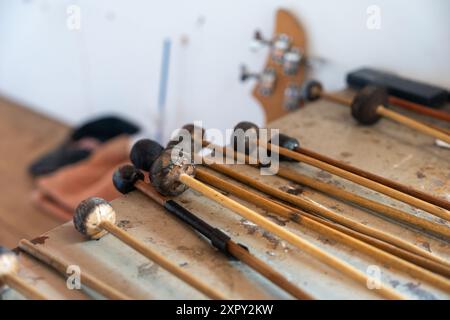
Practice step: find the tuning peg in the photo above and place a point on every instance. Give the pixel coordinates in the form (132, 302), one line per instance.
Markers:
(280, 46)
(245, 74)
(293, 97)
(292, 60)
(259, 37)
(267, 81)
(259, 41)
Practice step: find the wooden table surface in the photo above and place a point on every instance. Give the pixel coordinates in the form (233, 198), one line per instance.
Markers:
(387, 149)
(25, 135)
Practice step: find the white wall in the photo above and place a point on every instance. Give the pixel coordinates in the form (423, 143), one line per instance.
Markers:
(113, 62)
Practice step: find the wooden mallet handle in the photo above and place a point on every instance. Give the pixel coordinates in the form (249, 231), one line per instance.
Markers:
(308, 205)
(395, 116)
(16, 283)
(286, 235)
(387, 182)
(308, 221)
(231, 247)
(441, 115)
(388, 211)
(162, 261)
(437, 211)
(61, 266)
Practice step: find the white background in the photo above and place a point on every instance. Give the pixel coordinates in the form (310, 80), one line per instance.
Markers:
(113, 62)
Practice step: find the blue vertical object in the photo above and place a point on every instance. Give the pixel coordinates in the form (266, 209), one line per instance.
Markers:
(163, 88)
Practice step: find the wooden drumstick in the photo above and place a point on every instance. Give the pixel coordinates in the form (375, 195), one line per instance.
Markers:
(95, 217)
(60, 265)
(128, 178)
(9, 267)
(171, 174)
(305, 219)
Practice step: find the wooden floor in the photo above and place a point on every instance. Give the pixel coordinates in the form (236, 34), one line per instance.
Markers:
(24, 136)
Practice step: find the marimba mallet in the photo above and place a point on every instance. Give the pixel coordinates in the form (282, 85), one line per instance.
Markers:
(413, 255)
(322, 211)
(305, 219)
(408, 105)
(312, 223)
(393, 213)
(396, 214)
(311, 206)
(144, 152)
(313, 90)
(95, 217)
(172, 174)
(61, 266)
(294, 145)
(9, 267)
(393, 193)
(369, 105)
(305, 203)
(128, 178)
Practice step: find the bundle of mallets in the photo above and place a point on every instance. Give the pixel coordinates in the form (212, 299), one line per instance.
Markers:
(9, 273)
(171, 172)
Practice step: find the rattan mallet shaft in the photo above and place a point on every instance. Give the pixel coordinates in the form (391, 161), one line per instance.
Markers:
(9, 267)
(369, 97)
(393, 213)
(387, 182)
(411, 123)
(303, 218)
(385, 210)
(428, 207)
(311, 206)
(286, 235)
(294, 144)
(94, 217)
(60, 265)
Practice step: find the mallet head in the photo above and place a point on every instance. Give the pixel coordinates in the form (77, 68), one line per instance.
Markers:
(144, 152)
(125, 177)
(311, 90)
(365, 104)
(195, 138)
(8, 262)
(89, 215)
(286, 142)
(251, 136)
(166, 170)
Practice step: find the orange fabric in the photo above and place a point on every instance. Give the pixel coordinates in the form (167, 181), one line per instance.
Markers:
(61, 192)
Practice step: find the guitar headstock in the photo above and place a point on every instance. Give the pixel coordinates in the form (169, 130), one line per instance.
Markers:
(278, 85)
